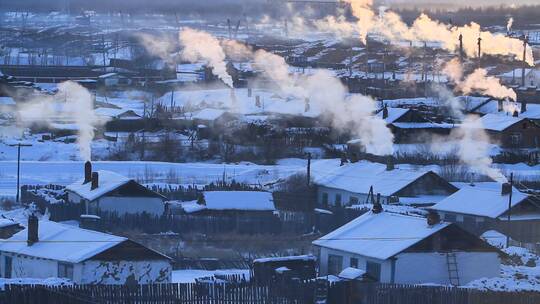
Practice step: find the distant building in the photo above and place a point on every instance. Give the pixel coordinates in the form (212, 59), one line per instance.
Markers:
(481, 208)
(397, 248)
(350, 184)
(532, 77)
(48, 249)
(510, 131)
(110, 192)
(243, 203)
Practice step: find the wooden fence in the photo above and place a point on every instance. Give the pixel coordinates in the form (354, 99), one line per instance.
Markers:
(293, 292)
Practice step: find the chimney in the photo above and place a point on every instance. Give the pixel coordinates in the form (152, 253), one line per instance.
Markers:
(500, 105)
(389, 163)
(258, 101)
(385, 112)
(433, 218)
(506, 189)
(461, 47)
(343, 160)
(306, 107)
(87, 172)
(249, 92)
(523, 106)
(95, 180)
(377, 207)
(33, 229)
(516, 113)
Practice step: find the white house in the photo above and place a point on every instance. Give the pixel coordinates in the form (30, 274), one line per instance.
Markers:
(111, 192)
(350, 184)
(398, 248)
(48, 249)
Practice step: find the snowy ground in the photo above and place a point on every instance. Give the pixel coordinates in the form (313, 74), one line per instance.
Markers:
(189, 275)
(30, 281)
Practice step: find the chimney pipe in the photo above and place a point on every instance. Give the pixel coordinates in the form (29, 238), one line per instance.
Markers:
(433, 218)
(377, 207)
(523, 106)
(95, 180)
(499, 105)
(506, 189)
(385, 112)
(389, 163)
(87, 172)
(33, 229)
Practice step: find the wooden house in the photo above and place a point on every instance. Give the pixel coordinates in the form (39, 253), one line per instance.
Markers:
(48, 249)
(511, 131)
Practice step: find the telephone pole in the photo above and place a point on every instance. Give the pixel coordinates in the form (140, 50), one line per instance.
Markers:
(509, 208)
(19, 145)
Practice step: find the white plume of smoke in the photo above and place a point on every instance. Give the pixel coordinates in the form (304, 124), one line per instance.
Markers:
(391, 26)
(509, 24)
(160, 46)
(72, 102)
(199, 45)
(478, 81)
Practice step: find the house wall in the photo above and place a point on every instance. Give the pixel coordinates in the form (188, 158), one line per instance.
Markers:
(122, 272)
(524, 134)
(386, 265)
(28, 267)
(345, 196)
(431, 267)
(123, 205)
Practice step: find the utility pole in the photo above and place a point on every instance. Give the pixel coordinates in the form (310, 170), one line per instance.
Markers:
(19, 145)
(308, 168)
(509, 208)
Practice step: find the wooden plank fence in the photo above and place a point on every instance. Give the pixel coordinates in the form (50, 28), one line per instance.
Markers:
(291, 292)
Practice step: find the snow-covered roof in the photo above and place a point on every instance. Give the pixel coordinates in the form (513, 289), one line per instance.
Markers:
(4, 222)
(393, 114)
(422, 125)
(379, 236)
(285, 258)
(499, 122)
(239, 200)
(209, 114)
(351, 273)
(514, 73)
(61, 242)
(479, 201)
(115, 113)
(107, 181)
(7, 101)
(359, 177)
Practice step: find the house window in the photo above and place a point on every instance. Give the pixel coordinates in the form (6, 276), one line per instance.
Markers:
(354, 262)
(353, 200)
(515, 139)
(373, 269)
(335, 263)
(65, 270)
(338, 199)
(8, 262)
(450, 217)
(325, 199)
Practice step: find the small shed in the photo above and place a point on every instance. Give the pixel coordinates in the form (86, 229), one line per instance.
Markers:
(269, 269)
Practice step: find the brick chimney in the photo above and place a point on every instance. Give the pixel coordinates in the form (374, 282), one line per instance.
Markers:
(377, 206)
(33, 229)
(95, 180)
(433, 218)
(87, 172)
(523, 106)
(516, 113)
(506, 188)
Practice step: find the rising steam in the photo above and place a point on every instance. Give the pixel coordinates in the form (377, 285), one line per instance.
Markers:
(72, 103)
(200, 45)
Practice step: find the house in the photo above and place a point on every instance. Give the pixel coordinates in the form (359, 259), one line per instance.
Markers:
(406, 249)
(267, 269)
(110, 192)
(485, 206)
(511, 131)
(514, 77)
(212, 117)
(350, 184)
(245, 203)
(114, 79)
(48, 249)
(8, 228)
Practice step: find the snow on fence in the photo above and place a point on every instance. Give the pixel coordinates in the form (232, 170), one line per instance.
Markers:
(297, 292)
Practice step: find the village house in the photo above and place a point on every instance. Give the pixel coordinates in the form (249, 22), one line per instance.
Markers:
(8, 228)
(110, 192)
(406, 249)
(352, 183)
(482, 207)
(511, 131)
(514, 77)
(48, 249)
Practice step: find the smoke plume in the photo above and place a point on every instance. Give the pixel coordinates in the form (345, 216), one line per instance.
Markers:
(509, 24)
(200, 45)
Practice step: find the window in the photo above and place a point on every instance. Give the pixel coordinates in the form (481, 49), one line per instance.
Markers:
(373, 270)
(450, 217)
(353, 200)
(515, 139)
(338, 199)
(325, 199)
(335, 263)
(65, 270)
(354, 262)
(8, 262)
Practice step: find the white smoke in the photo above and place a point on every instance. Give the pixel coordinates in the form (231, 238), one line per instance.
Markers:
(72, 103)
(199, 45)
(160, 46)
(509, 24)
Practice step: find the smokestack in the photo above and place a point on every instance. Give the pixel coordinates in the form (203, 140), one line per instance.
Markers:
(433, 218)
(525, 41)
(499, 105)
(523, 106)
(249, 92)
(506, 189)
(87, 172)
(377, 207)
(95, 180)
(389, 163)
(33, 229)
